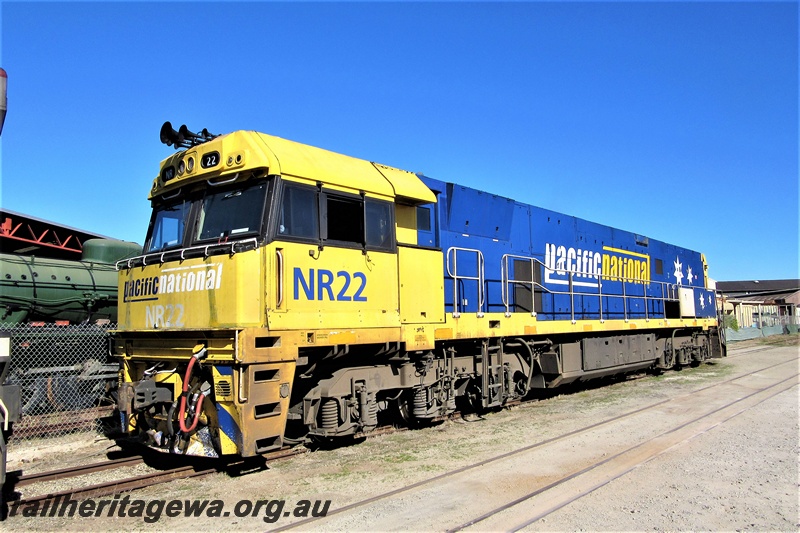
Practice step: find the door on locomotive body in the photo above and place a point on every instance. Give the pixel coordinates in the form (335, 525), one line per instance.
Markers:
(427, 235)
(336, 260)
(420, 265)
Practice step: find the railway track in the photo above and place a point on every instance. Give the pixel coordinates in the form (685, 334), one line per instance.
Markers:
(618, 464)
(75, 471)
(116, 486)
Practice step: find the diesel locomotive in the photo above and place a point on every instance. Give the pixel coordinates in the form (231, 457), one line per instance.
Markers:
(288, 293)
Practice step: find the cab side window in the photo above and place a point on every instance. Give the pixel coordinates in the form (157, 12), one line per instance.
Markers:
(343, 219)
(380, 224)
(298, 216)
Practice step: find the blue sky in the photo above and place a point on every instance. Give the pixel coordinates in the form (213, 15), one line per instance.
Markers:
(674, 120)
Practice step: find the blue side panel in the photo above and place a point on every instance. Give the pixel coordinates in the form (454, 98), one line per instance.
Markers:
(580, 269)
(705, 303)
(521, 236)
(478, 213)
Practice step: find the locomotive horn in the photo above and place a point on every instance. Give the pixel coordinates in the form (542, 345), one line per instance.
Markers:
(169, 136)
(183, 138)
(186, 134)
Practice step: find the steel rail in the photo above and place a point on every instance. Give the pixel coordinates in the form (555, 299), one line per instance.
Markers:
(114, 487)
(111, 488)
(74, 471)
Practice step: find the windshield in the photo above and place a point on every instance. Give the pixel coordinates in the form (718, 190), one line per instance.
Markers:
(167, 227)
(232, 213)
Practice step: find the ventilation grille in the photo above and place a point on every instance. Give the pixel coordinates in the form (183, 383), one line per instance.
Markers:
(223, 387)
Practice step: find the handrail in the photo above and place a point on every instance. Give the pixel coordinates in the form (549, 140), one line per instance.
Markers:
(223, 182)
(279, 300)
(668, 290)
(506, 281)
(456, 277)
(180, 252)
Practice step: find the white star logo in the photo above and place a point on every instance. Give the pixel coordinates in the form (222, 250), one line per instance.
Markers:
(703, 302)
(689, 275)
(678, 272)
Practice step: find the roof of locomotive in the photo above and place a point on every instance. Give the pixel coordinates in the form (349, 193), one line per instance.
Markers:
(240, 152)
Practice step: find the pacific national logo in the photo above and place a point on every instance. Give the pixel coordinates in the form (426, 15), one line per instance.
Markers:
(173, 280)
(586, 266)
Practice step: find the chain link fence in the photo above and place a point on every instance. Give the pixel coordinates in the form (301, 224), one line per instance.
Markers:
(66, 377)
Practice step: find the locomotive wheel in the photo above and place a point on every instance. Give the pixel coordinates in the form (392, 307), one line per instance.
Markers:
(472, 399)
(405, 407)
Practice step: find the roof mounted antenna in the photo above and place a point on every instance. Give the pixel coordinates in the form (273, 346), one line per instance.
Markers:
(183, 138)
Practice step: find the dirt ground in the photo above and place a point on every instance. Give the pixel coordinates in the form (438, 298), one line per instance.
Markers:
(740, 473)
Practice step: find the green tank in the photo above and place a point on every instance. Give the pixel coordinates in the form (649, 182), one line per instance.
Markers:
(50, 290)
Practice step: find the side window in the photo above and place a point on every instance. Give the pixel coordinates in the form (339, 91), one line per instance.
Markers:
(298, 217)
(380, 224)
(426, 226)
(168, 226)
(423, 218)
(343, 219)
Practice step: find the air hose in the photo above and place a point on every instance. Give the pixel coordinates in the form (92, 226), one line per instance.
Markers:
(199, 352)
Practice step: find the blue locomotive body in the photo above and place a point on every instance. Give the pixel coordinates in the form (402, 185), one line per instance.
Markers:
(513, 257)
